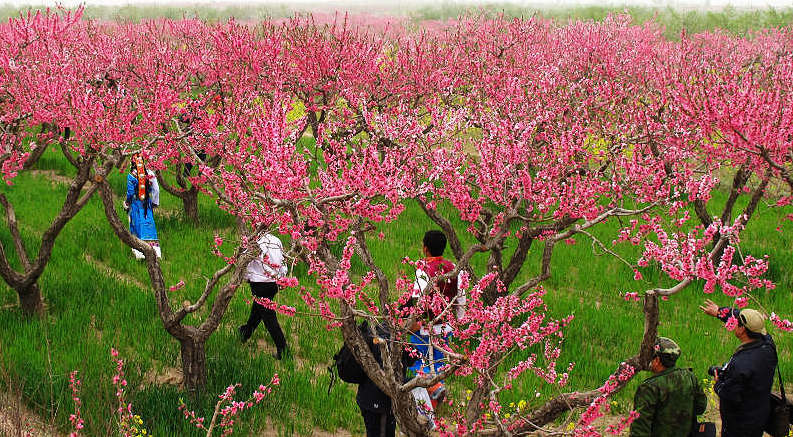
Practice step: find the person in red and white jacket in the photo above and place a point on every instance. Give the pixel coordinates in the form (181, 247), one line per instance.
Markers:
(262, 274)
(432, 266)
(428, 284)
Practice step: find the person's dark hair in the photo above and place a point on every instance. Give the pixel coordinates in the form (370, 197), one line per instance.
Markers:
(667, 360)
(435, 242)
(753, 335)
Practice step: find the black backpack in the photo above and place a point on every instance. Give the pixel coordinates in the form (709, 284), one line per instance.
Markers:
(347, 367)
(344, 364)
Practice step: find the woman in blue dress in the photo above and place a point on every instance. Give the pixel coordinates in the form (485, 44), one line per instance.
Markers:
(143, 195)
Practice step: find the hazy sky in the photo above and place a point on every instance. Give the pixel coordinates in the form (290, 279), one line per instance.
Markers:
(402, 4)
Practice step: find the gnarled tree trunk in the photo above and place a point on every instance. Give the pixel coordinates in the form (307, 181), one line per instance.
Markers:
(30, 299)
(25, 279)
(404, 407)
(184, 190)
(190, 203)
(194, 363)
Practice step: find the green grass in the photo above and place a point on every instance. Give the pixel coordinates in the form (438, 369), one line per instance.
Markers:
(674, 21)
(89, 312)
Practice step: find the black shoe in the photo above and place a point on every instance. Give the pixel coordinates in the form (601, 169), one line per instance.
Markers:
(244, 333)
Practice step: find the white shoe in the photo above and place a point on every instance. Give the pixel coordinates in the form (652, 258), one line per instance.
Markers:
(139, 255)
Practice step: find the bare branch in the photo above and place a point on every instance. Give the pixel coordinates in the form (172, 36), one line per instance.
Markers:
(446, 226)
(178, 192)
(210, 286)
(368, 259)
(155, 273)
(545, 270)
(14, 230)
(70, 208)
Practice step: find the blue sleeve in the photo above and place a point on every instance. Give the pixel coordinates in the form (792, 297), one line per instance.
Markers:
(725, 313)
(132, 186)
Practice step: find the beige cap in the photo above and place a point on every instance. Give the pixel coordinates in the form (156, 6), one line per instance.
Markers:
(752, 320)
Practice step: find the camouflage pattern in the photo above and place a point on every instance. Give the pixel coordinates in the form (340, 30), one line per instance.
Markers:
(667, 403)
(667, 346)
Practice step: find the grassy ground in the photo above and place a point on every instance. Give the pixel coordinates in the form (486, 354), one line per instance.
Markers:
(674, 21)
(92, 289)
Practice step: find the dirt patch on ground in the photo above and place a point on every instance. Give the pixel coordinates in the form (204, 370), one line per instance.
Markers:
(164, 376)
(271, 431)
(338, 432)
(53, 176)
(264, 347)
(316, 369)
(16, 419)
(166, 213)
(113, 273)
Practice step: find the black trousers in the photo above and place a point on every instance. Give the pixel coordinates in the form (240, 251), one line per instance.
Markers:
(261, 314)
(756, 432)
(379, 424)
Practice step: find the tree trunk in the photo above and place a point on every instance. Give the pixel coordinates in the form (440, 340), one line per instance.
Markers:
(194, 364)
(190, 201)
(30, 300)
(477, 403)
(404, 407)
(34, 156)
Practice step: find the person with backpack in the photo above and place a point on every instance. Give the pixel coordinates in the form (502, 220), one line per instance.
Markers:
(143, 195)
(375, 406)
(668, 401)
(744, 383)
(428, 285)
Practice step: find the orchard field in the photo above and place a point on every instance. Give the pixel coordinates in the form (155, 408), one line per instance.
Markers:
(571, 153)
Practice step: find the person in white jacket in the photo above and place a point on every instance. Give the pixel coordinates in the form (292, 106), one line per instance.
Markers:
(262, 274)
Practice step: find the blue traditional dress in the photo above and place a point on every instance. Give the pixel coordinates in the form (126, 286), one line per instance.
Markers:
(141, 212)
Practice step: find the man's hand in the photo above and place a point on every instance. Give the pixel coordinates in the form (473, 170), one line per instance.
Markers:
(715, 375)
(126, 206)
(710, 308)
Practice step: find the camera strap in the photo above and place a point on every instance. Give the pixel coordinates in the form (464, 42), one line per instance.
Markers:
(781, 384)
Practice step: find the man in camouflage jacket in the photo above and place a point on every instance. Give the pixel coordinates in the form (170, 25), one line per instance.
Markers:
(668, 401)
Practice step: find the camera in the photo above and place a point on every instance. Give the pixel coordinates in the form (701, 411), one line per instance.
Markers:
(712, 370)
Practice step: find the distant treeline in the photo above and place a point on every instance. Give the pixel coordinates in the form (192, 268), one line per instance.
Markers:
(734, 20)
(674, 21)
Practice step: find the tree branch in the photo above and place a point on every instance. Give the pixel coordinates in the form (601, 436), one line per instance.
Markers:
(446, 226)
(569, 401)
(210, 285)
(14, 230)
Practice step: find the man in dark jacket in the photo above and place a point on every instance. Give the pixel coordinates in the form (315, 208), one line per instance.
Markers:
(378, 417)
(744, 383)
(668, 401)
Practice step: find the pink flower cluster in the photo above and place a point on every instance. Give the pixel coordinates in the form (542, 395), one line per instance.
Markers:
(75, 418)
(227, 408)
(600, 405)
